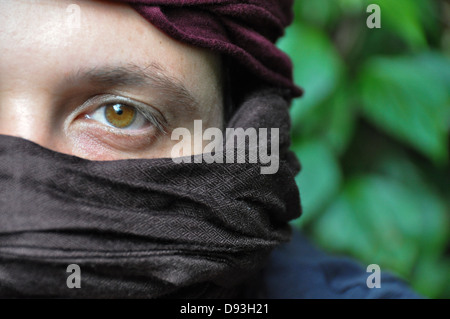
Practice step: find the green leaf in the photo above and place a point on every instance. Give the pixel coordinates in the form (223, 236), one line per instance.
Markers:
(318, 12)
(437, 64)
(339, 231)
(432, 278)
(380, 221)
(436, 221)
(333, 121)
(352, 6)
(342, 123)
(319, 180)
(403, 17)
(409, 102)
(317, 67)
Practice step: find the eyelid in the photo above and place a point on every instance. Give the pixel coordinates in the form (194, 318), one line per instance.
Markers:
(150, 113)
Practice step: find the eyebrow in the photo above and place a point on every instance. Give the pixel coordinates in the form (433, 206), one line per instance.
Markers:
(171, 90)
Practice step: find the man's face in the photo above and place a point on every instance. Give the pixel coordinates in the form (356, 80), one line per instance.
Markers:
(104, 87)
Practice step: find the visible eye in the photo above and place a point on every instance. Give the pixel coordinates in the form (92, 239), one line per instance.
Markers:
(125, 114)
(120, 116)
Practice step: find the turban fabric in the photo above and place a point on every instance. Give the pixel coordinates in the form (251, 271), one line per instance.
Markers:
(244, 30)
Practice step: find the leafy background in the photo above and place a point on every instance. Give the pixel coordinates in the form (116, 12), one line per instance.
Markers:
(372, 133)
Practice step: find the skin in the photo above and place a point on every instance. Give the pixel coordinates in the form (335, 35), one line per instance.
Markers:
(45, 99)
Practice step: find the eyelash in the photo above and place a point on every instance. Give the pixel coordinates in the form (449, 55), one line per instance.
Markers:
(149, 113)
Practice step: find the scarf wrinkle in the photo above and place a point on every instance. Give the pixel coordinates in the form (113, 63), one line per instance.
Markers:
(144, 228)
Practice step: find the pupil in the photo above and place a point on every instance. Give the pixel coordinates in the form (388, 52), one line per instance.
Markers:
(118, 109)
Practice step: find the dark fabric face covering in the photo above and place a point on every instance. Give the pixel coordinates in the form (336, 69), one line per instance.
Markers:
(142, 228)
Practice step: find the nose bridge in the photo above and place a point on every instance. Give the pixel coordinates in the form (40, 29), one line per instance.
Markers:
(26, 116)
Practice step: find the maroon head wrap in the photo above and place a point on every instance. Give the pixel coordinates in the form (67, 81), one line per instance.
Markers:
(245, 30)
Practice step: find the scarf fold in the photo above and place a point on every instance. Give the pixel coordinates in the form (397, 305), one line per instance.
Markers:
(142, 228)
(245, 30)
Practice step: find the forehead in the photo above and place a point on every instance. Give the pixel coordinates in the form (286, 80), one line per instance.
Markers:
(46, 39)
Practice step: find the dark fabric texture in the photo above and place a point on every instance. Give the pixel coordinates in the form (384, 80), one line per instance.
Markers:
(299, 270)
(242, 30)
(143, 228)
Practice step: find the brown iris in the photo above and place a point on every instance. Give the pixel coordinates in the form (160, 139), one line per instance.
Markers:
(120, 115)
